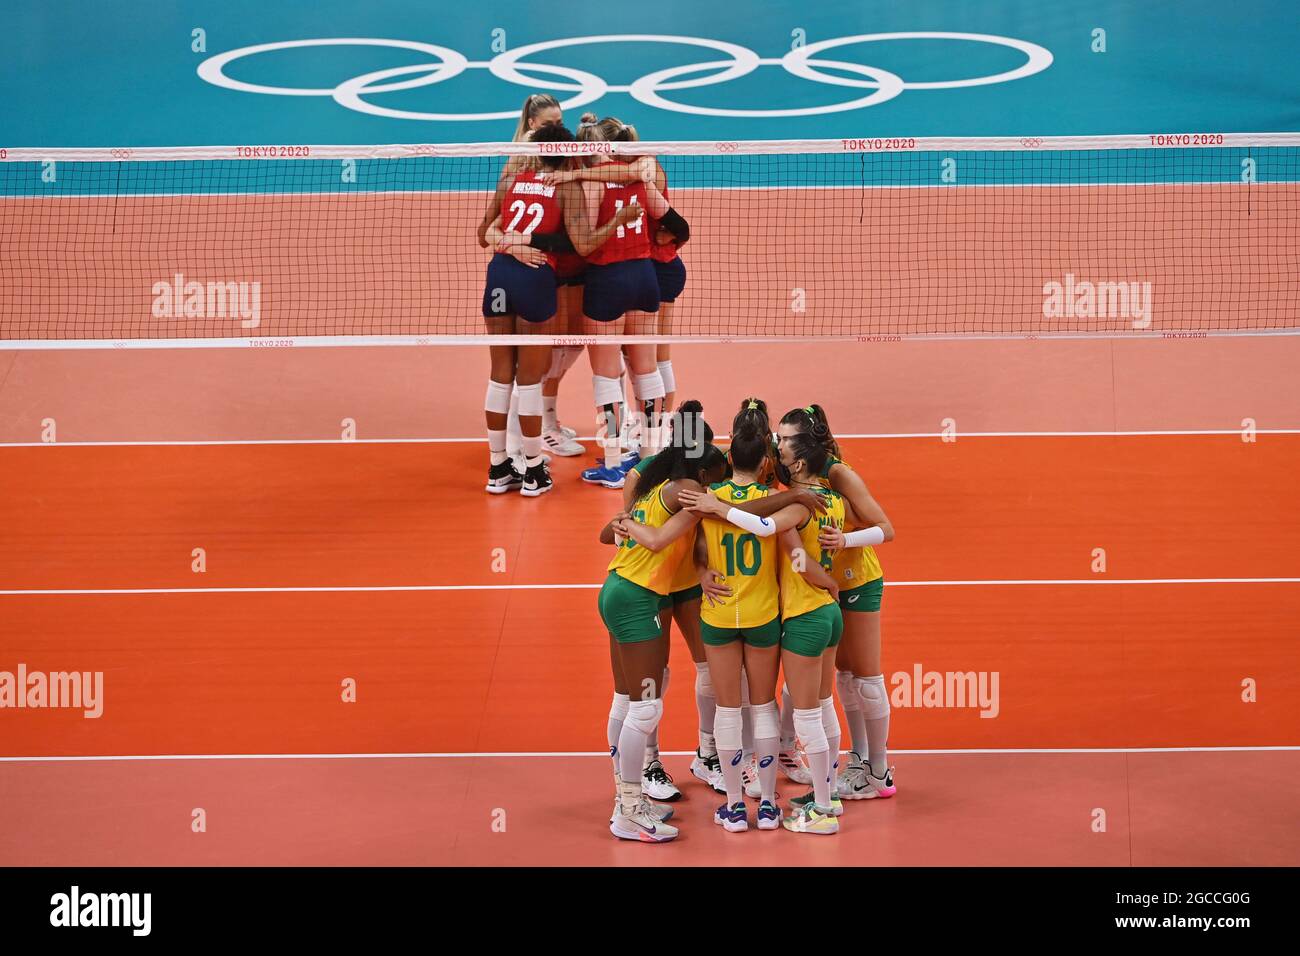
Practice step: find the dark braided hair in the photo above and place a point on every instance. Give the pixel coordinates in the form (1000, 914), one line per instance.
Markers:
(751, 435)
(690, 452)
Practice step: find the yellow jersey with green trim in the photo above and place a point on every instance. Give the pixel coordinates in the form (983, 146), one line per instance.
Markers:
(797, 595)
(655, 570)
(746, 561)
(852, 567)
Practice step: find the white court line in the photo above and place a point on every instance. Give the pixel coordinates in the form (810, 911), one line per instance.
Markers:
(605, 754)
(590, 438)
(365, 588)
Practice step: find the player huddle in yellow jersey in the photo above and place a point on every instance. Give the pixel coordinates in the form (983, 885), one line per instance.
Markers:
(760, 581)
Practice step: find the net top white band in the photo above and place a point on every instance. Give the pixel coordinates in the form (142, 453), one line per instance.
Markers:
(871, 144)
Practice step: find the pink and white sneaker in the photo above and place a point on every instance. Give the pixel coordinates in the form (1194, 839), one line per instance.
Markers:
(878, 788)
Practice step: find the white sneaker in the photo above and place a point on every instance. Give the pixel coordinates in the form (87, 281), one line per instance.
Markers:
(641, 826)
(561, 444)
(749, 777)
(794, 766)
(565, 430)
(521, 463)
(656, 811)
(852, 783)
(657, 784)
(709, 770)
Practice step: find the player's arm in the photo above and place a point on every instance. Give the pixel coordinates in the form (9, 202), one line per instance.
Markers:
(811, 571)
(585, 239)
(861, 509)
(615, 529)
(771, 504)
(682, 521)
(643, 170)
(788, 517)
(669, 218)
(494, 204)
(712, 582)
(514, 244)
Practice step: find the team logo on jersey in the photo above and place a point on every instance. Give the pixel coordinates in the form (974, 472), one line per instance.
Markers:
(738, 495)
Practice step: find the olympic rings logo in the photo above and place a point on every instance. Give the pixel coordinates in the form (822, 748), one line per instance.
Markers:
(120, 153)
(587, 87)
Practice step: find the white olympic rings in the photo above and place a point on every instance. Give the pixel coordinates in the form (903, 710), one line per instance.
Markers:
(648, 89)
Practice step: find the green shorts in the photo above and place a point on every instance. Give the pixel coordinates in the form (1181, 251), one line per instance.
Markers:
(767, 635)
(630, 612)
(864, 597)
(681, 597)
(810, 633)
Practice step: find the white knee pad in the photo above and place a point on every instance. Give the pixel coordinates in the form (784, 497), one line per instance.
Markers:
(618, 709)
(871, 692)
(606, 390)
(727, 728)
(498, 397)
(808, 726)
(848, 693)
(767, 722)
(648, 386)
(666, 373)
(703, 682)
(644, 715)
(830, 719)
(530, 399)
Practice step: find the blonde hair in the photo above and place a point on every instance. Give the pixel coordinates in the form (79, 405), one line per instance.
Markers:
(533, 105)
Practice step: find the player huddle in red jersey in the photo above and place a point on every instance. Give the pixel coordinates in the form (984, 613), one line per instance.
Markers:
(582, 245)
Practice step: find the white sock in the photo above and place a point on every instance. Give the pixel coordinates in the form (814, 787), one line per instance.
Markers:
(727, 729)
(707, 705)
(812, 732)
(497, 446)
(831, 723)
(787, 719)
(514, 437)
(550, 420)
(875, 709)
(852, 712)
(767, 742)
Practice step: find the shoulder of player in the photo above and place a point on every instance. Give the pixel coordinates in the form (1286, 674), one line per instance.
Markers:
(669, 489)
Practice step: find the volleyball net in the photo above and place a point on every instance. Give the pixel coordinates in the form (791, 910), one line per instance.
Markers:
(875, 239)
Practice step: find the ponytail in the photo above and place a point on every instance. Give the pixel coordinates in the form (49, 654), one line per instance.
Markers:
(811, 420)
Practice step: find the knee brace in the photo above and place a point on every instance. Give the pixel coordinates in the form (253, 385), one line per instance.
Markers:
(648, 386)
(619, 708)
(830, 719)
(726, 728)
(703, 682)
(848, 693)
(666, 373)
(643, 716)
(808, 726)
(871, 692)
(498, 395)
(530, 399)
(767, 722)
(606, 390)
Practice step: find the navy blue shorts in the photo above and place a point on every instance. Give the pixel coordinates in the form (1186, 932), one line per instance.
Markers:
(611, 290)
(672, 278)
(516, 289)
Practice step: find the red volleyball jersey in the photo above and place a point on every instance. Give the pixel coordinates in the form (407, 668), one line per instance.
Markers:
(630, 241)
(529, 206)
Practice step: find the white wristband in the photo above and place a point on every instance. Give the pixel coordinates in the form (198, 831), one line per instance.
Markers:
(763, 527)
(867, 536)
